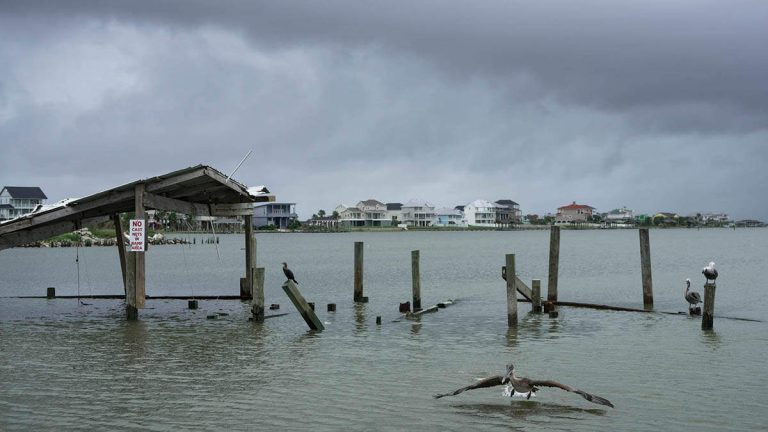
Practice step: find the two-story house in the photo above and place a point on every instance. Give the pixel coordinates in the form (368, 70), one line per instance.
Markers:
(418, 213)
(374, 213)
(350, 216)
(17, 201)
(277, 214)
(395, 213)
(509, 213)
(449, 217)
(573, 213)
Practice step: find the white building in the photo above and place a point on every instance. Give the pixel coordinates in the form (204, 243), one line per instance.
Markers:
(395, 213)
(482, 213)
(374, 213)
(620, 215)
(350, 216)
(418, 213)
(17, 201)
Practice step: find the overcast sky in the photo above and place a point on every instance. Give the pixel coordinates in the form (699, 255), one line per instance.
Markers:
(659, 105)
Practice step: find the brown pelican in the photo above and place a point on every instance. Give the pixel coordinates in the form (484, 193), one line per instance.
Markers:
(525, 385)
(691, 296)
(289, 273)
(710, 272)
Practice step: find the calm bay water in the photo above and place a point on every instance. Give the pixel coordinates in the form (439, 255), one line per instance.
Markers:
(66, 366)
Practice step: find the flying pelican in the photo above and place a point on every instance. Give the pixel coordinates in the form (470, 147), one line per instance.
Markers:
(525, 385)
(710, 272)
(691, 296)
(289, 273)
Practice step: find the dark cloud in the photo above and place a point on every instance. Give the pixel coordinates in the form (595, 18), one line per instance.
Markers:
(655, 105)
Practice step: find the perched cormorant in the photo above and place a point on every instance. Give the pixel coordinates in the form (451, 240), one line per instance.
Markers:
(525, 385)
(289, 273)
(710, 272)
(691, 297)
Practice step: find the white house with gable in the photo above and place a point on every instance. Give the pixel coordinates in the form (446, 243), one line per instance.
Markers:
(418, 213)
(482, 213)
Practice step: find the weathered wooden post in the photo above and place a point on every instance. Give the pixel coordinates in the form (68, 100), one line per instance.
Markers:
(120, 241)
(645, 267)
(416, 281)
(257, 300)
(138, 297)
(358, 288)
(708, 315)
(536, 296)
(301, 304)
(554, 262)
(131, 312)
(511, 291)
(331, 307)
(50, 292)
(246, 292)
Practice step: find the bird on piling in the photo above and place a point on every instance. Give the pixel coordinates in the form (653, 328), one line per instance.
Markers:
(289, 273)
(692, 297)
(710, 272)
(525, 385)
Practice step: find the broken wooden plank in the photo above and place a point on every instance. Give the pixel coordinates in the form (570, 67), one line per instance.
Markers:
(301, 304)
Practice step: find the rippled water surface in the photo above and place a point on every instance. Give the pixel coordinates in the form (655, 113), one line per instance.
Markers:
(66, 366)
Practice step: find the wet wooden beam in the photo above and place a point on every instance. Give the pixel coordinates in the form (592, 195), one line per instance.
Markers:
(536, 296)
(645, 268)
(511, 291)
(313, 322)
(554, 263)
(415, 281)
(358, 282)
(257, 300)
(160, 202)
(140, 258)
(120, 243)
(708, 314)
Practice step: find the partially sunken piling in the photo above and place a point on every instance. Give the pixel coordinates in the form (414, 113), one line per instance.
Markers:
(536, 296)
(645, 264)
(303, 307)
(708, 315)
(50, 292)
(416, 281)
(358, 288)
(511, 291)
(257, 300)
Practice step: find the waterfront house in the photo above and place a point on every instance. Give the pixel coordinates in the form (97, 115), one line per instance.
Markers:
(449, 217)
(418, 213)
(509, 213)
(573, 213)
(350, 216)
(17, 201)
(280, 215)
(715, 218)
(622, 215)
(374, 213)
(666, 218)
(328, 222)
(395, 213)
(483, 213)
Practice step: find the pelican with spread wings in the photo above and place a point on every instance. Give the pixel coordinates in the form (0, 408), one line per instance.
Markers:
(525, 385)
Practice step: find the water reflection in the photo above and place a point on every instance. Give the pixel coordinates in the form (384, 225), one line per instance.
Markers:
(134, 341)
(711, 339)
(360, 325)
(512, 336)
(416, 327)
(522, 410)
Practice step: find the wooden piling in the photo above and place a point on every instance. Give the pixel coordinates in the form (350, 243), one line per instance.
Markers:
(536, 296)
(140, 293)
(257, 299)
(378, 320)
(331, 307)
(243, 288)
(645, 267)
(554, 262)
(120, 241)
(192, 304)
(301, 304)
(250, 258)
(50, 292)
(511, 291)
(416, 281)
(358, 288)
(708, 314)
(131, 312)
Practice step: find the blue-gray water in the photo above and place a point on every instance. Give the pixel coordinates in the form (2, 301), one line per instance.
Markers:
(65, 366)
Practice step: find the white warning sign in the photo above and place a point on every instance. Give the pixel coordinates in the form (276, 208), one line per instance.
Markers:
(137, 235)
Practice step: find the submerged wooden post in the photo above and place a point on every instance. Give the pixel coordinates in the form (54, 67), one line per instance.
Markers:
(358, 288)
(708, 315)
(140, 293)
(257, 299)
(536, 295)
(120, 241)
(246, 292)
(301, 304)
(50, 292)
(131, 312)
(645, 267)
(554, 262)
(416, 280)
(511, 291)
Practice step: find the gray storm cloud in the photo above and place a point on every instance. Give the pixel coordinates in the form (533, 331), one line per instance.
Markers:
(660, 106)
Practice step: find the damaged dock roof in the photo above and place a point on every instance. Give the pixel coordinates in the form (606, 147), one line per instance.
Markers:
(200, 190)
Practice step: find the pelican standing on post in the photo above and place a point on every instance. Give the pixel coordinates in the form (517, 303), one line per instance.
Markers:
(692, 297)
(289, 273)
(525, 385)
(710, 272)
